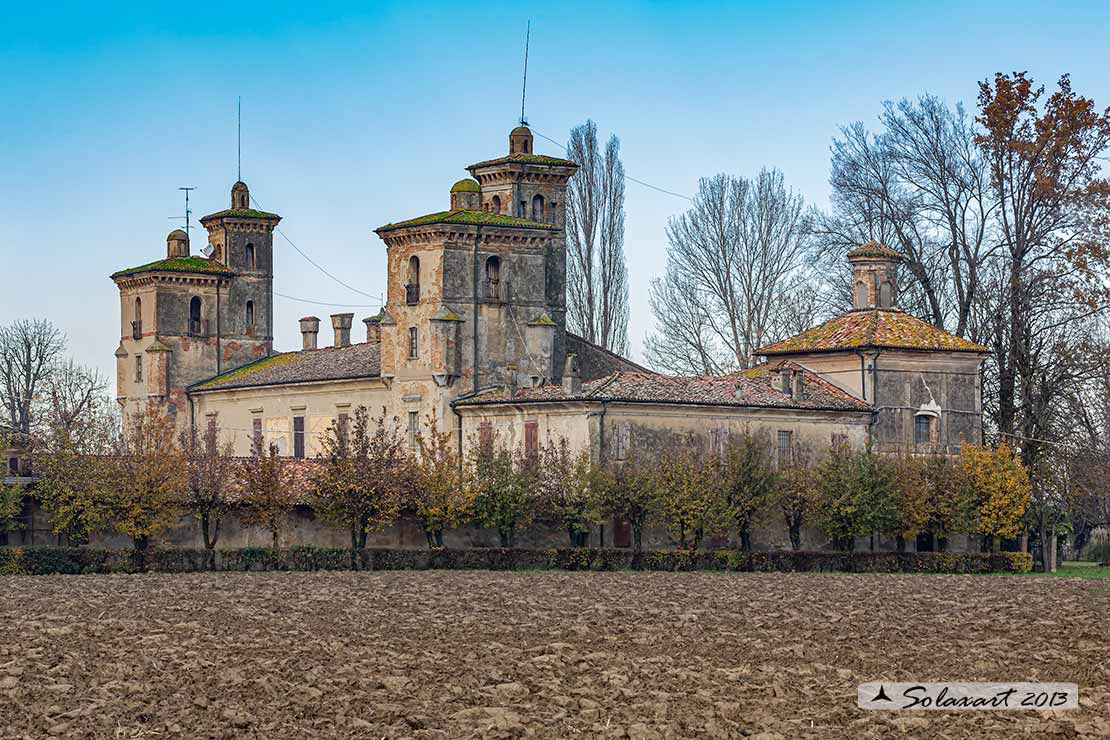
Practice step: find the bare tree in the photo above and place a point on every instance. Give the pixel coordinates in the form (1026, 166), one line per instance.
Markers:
(29, 350)
(734, 259)
(75, 395)
(920, 185)
(597, 275)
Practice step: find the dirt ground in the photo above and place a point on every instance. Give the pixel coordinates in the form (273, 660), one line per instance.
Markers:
(537, 654)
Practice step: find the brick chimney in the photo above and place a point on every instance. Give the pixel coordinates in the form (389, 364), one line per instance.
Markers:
(572, 376)
(797, 385)
(373, 329)
(310, 328)
(341, 323)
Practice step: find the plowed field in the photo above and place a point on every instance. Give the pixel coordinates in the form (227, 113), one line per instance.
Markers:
(536, 654)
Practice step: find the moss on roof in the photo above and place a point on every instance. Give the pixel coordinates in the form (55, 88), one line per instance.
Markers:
(178, 264)
(259, 365)
(889, 328)
(542, 320)
(466, 185)
(461, 216)
(240, 213)
(525, 159)
(874, 249)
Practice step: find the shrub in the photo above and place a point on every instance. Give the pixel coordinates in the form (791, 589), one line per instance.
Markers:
(76, 560)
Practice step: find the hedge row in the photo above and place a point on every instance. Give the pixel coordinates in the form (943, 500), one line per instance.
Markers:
(72, 560)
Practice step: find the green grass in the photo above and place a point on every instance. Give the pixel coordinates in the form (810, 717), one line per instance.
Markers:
(1075, 569)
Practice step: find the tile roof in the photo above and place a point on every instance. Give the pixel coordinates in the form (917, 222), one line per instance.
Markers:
(889, 328)
(595, 362)
(874, 249)
(462, 216)
(751, 389)
(178, 264)
(525, 159)
(328, 363)
(239, 213)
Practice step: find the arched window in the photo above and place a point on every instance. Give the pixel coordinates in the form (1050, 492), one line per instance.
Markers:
(861, 296)
(194, 315)
(493, 278)
(250, 317)
(537, 208)
(886, 299)
(412, 287)
(524, 146)
(137, 324)
(495, 204)
(250, 258)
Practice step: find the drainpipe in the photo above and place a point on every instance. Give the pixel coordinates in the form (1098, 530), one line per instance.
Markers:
(600, 452)
(474, 312)
(219, 281)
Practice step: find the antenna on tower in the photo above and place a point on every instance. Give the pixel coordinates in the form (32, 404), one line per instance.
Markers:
(524, 90)
(239, 140)
(188, 212)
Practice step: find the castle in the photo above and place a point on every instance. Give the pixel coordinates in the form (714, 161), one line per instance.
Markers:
(473, 336)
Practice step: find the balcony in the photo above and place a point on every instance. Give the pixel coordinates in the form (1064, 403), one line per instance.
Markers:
(136, 329)
(412, 293)
(196, 327)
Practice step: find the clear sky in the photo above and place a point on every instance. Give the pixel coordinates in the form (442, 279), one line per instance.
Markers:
(358, 114)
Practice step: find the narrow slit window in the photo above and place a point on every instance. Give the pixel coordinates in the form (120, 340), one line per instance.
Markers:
(414, 343)
(250, 258)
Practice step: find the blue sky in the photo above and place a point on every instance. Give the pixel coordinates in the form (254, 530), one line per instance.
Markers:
(355, 115)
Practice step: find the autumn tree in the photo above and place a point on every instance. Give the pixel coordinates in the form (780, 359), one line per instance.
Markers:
(149, 477)
(950, 501)
(211, 474)
(1001, 487)
(857, 495)
(566, 487)
(691, 498)
(11, 499)
(796, 492)
(911, 499)
(75, 482)
(441, 492)
(628, 491)
(597, 276)
(269, 489)
(1053, 210)
(506, 484)
(357, 477)
(748, 480)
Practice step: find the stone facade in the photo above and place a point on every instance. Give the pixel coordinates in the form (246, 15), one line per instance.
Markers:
(472, 337)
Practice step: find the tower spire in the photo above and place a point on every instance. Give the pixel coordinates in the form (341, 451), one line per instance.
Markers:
(239, 140)
(524, 89)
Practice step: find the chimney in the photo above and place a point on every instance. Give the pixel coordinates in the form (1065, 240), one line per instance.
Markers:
(510, 380)
(780, 380)
(310, 327)
(572, 376)
(797, 386)
(341, 323)
(373, 329)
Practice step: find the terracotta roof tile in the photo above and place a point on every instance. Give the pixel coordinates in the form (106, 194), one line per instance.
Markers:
(328, 363)
(889, 328)
(751, 389)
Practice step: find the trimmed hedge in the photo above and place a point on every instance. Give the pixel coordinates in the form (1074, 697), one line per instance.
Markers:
(76, 560)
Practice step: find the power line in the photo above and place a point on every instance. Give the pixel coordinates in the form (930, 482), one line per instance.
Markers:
(325, 303)
(311, 261)
(626, 176)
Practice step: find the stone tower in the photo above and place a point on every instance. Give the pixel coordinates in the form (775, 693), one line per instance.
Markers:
(243, 239)
(874, 276)
(188, 317)
(477, 294)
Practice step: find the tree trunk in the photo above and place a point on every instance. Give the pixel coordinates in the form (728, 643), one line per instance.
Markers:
(274, 539)
(506, 536)
(637, 536)
(439, 538)
(942, 544)
(745, 539)
(900, 543)
(1048, 551)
